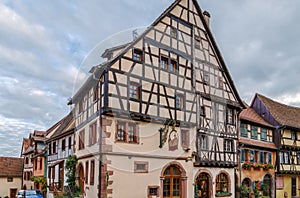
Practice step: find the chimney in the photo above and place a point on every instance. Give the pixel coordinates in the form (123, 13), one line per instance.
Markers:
(207, 18)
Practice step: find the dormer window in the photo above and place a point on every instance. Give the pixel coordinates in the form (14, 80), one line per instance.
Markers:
(137, 55)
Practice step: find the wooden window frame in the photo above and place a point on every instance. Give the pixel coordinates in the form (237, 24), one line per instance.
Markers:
(143, 163)
(202, 111)
(151, 194)
(137, 55)
(50, 148)
(41, 163)
(133, 126)
(263, 131)
(222, 183)
(121, 135)
(228, 142)
(294, 135)
(206, 77)
(92, 173)
(81, 139)
(54, 150)
(230, 116)
(135, 90)
(197, 42)
(179, 101)
(86, 172)
(70, 142)
(163, 62)
(93, 134)
(63, 144)
(80, 107)
(96, 93)
(126, 126)
(220, 83)
(254, 132)
(173, 66)
(203, 142)
(244, 130)
(173, 32)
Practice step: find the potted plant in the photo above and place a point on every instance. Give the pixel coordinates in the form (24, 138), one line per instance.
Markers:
(244, 190)
(255, 165)
(246, 165)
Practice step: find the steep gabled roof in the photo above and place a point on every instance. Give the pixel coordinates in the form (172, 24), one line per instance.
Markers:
(250, 115)
(283, 114)
(11, 167)
(67, 124)
(99, 70)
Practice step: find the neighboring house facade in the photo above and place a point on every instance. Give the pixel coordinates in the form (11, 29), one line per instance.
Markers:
(257, 153)
(26, 154)
(60, 145)
(38, 157)
(286, 121)
(159, 117)
(11, 170)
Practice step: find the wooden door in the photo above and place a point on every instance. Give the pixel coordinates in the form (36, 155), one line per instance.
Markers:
(13, 192)
(81, 178)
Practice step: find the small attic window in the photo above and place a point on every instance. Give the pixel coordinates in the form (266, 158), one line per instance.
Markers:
(197, 42)
(137, 55)
(173, 32)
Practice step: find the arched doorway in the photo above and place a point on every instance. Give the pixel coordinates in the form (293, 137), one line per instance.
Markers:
(267, 185)
(81, 177)
(203, 185)
(172, 184)
(173, 181)
(246, 186)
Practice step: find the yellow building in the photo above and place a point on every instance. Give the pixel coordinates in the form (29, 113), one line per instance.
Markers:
(11, 170)
(286, 121)
(257, 154)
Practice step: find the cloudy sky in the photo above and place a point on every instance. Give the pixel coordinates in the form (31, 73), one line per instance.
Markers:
(46, 49)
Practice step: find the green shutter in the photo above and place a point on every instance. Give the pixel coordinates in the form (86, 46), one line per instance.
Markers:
(242, 155)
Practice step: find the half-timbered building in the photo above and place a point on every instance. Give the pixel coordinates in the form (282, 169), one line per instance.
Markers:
(257, 154)
(159, 117)
(60, 145)
(286, 121)
(26, 154)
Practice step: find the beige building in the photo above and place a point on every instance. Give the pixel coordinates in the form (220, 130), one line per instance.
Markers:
(10, 176)
(159, 117)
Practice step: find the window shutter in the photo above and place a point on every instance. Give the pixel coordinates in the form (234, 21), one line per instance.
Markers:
(269, 158)
(254, 185)
(242, 155)
(261, 184)
(261, 159)
(251, 157)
